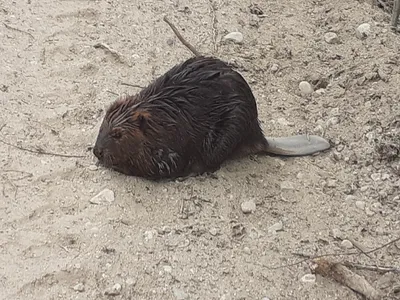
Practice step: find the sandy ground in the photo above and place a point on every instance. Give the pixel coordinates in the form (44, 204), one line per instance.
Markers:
(191, 240)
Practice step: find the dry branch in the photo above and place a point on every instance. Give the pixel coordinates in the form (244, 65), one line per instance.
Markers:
(346, 277)
(180, 37)
(40, 151)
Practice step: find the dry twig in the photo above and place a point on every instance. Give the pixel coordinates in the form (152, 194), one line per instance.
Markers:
(395, 14)
(382, 269)
(343, 275)
(42, 152)
(180, 37)
(19, 30)
(132, 85)
(333, 254)
(113, 52)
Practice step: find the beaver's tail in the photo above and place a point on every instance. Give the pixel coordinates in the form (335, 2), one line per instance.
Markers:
(297, 145)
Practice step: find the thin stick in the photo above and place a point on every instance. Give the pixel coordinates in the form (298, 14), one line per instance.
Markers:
(111, 92)
(333, 255)
(180, 37)
(346, 277)
(113, 52)
(40, 151)
(19, 30)
(395, 13)
(382, 269)
(132, 85)
(360, 247)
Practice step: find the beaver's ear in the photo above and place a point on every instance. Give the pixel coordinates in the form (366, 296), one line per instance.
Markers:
(141, 118)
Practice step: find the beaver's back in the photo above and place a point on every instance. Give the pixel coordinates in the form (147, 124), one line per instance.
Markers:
(197, 95)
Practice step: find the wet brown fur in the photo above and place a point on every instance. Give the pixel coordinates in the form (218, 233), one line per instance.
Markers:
(187, 122)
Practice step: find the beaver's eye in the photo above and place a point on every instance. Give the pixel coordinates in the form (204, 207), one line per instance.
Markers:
(116, 133)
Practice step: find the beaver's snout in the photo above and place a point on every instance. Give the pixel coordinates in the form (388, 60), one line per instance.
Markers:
(98, 152)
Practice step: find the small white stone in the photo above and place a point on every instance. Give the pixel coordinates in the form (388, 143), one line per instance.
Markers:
(332, 121)
(168, 269)
(179, 294)
(276, 227)
(283, 121)
(213, 231)
(106, 196)
(305, 88)
(360, 204)
(363, 31)
(248, 207)
(351, 198)
(331, 183)
(376, 176)
(130, 281)
(79, 287)
(346, 244)
(235, 36)
(286, 186)
(336, 233)
(93, 168)
(246, 250)
(369, 212)
(149, 234)
(115, 290)
(331, 38)
(308, 278)
(274, 68)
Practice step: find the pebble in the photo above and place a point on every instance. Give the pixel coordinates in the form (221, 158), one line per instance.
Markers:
(274, 68)
(363, 31)
(340, 147)
(346, 244)
(351, 198)
(213, 231)
(309, 278)
(360, 204)
(331, 183)
(376, 176)
(276, 227)
(246, 250)
(168, 269)
(332, 121)
(106, 196)
(79, 287)
(284, 122)
(336, 233)
(130, 281)
(248, 207)
(179, 294)
(305, 88)
(286, 185)
(337, 155)
(369, 212)
(364, 188)
(115, 290)
(331, 38)
(149, 234)
(235, 36)
(93, 168)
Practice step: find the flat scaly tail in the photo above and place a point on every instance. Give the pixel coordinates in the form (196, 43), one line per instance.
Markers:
(297, 145)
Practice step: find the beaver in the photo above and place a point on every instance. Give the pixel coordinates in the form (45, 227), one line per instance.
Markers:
(189, 121)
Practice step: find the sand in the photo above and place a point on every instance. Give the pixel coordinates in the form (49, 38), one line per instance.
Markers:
(191, 240)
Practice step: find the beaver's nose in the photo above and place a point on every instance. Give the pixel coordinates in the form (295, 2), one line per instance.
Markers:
(98, 152)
